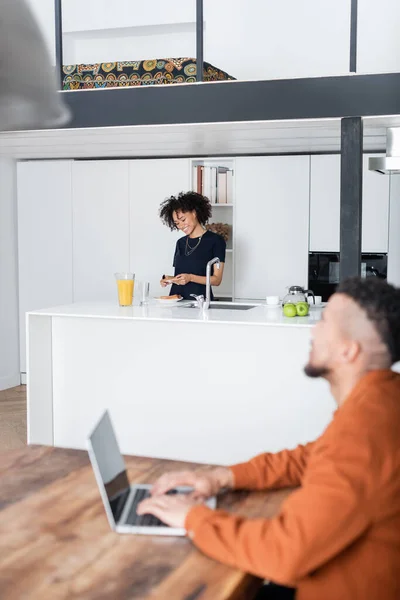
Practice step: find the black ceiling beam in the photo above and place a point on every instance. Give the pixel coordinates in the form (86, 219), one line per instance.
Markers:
(311, 98)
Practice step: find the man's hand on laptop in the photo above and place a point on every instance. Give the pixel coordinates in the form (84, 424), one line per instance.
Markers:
(171, 510)
(205, 482)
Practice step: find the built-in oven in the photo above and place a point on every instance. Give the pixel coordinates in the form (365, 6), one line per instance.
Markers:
(323, 270)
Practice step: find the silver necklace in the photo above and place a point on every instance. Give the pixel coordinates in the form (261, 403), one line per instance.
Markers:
(188, 249)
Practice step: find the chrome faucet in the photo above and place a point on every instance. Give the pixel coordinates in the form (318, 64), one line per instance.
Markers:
(216, 261)
(199, 300)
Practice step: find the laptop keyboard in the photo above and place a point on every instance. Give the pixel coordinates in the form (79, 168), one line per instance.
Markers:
(143, 520)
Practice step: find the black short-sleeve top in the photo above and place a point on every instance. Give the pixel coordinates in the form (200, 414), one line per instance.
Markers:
(192, 256)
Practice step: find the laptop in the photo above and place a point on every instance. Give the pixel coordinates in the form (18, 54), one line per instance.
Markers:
(120, 499)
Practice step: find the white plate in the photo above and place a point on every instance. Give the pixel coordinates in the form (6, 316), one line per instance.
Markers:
(167, 302)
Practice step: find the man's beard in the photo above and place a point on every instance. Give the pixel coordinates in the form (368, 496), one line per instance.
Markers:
(315, 372)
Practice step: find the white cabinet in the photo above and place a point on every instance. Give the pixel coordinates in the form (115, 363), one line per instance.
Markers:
(375, 218)
(100, 210)
(325, 206)
(44, 238)
(325, 203)
(272, 224)
(152, 244)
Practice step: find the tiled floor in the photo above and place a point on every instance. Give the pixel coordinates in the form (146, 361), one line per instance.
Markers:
(13, 418)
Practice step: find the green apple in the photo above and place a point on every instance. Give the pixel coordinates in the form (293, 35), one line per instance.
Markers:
(302, 309)
(289, 310)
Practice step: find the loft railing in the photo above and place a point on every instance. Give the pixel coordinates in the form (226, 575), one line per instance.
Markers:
(199, 39)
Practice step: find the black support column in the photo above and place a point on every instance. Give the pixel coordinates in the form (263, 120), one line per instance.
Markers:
(353, 35)
(59, 41)
(199, 39)
(351, 196)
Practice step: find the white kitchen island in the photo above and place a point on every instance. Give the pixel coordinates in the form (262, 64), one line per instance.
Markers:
(214, 387)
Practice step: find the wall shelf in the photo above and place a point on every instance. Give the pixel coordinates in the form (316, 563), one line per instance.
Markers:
(205, 178)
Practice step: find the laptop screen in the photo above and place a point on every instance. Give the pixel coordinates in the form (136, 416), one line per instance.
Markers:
(109, 466)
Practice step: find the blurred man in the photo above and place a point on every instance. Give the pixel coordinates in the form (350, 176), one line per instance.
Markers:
(338, 536)
(28, 92)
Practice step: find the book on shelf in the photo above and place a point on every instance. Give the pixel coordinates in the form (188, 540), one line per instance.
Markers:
(198, 179)
(216, 183)
(206, 191)
(229, 186)
(222, 187)
(213, 193)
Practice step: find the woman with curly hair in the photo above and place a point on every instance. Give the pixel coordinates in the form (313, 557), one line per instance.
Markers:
(190, 212)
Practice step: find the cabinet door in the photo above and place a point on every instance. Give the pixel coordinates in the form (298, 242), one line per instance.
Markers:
(100, 209)
(44, 238)
(152, 244)
(325, 204)
(272, 224)
(375, 218)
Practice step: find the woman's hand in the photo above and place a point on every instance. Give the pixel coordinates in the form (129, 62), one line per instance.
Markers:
(166, 281)
(183, 279)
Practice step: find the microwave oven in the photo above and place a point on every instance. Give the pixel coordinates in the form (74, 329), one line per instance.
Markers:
(324, 274)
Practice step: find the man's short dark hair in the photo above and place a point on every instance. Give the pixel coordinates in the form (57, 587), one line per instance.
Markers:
(381, 302)
(186, 202)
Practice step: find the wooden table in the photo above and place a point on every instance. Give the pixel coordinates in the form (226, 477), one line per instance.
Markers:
(55, 541)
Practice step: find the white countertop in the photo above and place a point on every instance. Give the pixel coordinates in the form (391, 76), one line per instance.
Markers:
(260, 315)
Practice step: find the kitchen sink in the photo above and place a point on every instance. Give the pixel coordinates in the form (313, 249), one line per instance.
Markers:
(224, 306)
(227, 306)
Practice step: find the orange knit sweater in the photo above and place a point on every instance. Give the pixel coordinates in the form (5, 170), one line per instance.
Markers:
(338, 536)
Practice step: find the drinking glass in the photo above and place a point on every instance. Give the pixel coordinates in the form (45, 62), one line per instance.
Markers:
(125, 285)
(144, 293)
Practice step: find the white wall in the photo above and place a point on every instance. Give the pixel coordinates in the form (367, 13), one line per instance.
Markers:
(262, 39)
(99, 30)
(9, 345)
(132, 43)
(98, 14)
(43, 11)
(378, 47)
(250, 39)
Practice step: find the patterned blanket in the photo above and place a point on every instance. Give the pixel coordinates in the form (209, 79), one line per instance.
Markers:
(140, 72)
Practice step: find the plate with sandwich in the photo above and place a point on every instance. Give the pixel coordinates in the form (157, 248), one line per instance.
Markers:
(169, 300)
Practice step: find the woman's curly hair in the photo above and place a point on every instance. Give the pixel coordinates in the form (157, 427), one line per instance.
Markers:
(185, 202)
(381, 302)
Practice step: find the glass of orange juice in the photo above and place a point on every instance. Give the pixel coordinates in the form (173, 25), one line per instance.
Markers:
(125, 284)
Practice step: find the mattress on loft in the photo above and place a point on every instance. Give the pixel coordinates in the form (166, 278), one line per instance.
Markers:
(140, 72)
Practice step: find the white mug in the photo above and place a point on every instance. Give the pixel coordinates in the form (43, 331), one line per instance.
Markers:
(272, 300)
(318, 300)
